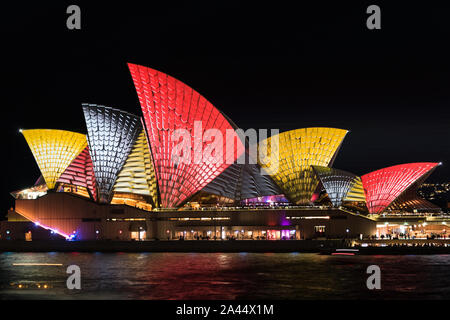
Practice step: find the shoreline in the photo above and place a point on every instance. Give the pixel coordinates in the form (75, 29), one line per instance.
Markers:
(203, 246)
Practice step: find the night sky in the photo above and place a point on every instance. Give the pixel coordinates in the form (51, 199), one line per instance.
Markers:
(264, 65)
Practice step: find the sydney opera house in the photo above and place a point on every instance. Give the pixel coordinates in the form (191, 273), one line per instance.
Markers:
(119, 180)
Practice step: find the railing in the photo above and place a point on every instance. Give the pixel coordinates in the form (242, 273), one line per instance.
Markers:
(251, 208)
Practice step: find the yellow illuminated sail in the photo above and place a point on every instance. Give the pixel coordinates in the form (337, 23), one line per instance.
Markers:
(289, 162)
(137, 175)
(54, 150)
(356, 192)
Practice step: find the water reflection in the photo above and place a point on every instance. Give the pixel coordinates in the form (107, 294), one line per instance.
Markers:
(221, 276)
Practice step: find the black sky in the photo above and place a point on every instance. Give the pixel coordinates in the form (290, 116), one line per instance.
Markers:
(265, 65)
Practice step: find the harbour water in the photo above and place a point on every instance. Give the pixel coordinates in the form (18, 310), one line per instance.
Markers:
(222, 276)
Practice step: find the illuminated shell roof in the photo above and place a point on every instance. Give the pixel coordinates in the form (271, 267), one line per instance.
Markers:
(54, 150)
(111, 136)
(289, 161)
(168, 104)
(383, 186)
(81, 173)
(337, 183)
(137, 175)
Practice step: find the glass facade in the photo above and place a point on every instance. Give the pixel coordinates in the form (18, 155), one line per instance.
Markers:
(168, 104)
(383, 186)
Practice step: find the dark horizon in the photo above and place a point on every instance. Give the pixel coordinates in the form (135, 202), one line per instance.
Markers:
(264, 67)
